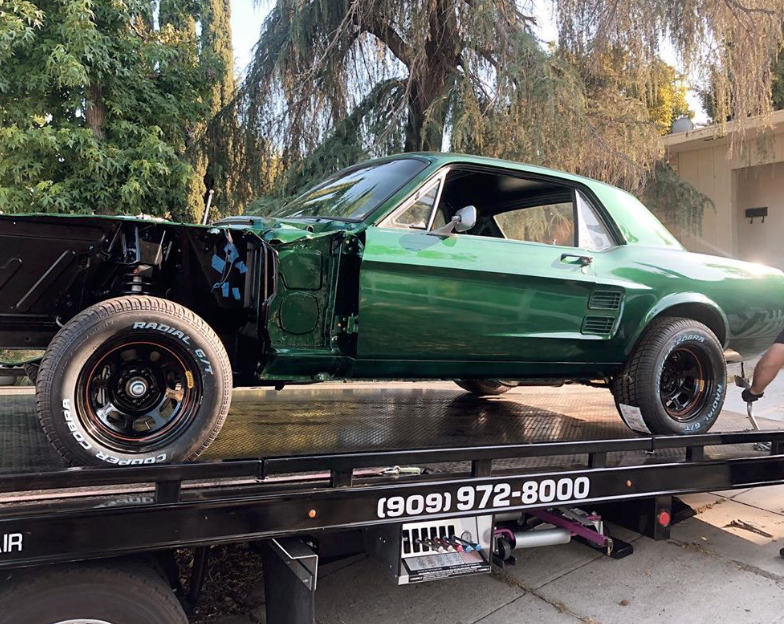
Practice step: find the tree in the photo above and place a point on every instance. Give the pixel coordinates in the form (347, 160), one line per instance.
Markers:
(378, 76)
(218, 154)
(94, 103)
(375, 76)
(778, 82)
(210, 142)
(733, 41)
(664, 97)
(707, 95)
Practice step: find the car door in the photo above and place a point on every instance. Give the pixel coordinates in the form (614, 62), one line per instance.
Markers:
(463, 304)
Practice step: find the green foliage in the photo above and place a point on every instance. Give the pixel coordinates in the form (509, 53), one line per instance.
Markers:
(214, 155)
(709, 94)
(677, 203)
(97, 105)
(336, 81)
(777, 90)
(664, 96)
(340, 149)
(778, 82)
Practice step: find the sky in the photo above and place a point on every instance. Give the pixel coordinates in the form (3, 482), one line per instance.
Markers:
(246, 19)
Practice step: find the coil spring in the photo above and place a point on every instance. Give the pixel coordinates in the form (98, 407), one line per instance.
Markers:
(135, 284)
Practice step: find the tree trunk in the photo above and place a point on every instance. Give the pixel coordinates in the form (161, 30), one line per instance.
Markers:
(427, 110)
(95, 111)
(428, 101)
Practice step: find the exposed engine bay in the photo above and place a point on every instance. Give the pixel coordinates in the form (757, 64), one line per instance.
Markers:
(51, 268)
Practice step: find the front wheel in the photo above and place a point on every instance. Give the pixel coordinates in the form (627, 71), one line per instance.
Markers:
(674, 383)
(131, 381)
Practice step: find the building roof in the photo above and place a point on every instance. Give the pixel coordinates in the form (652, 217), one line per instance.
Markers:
(720, 134)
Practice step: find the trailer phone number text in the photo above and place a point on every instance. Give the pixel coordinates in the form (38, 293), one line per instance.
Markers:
(491, 496)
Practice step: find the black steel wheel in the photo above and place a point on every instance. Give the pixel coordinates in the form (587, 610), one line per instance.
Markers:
(675, 380)
(684, 385)
(139, 394)
(134, 380)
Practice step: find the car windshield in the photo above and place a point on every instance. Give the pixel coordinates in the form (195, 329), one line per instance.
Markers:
(353, 194)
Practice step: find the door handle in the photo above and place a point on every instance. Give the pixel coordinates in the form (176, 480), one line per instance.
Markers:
(581, 259)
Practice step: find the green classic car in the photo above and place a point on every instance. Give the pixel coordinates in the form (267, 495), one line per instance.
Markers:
(419, 266)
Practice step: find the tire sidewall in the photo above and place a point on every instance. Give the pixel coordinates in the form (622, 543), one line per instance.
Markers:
(132, 595)
(81, 345)
(695, 338)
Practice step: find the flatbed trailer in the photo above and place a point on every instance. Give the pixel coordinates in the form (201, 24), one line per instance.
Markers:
(293, 503)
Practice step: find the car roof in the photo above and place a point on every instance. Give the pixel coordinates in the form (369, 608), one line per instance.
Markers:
(445, 158)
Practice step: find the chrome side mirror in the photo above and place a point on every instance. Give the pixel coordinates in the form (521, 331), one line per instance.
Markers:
(464, 220)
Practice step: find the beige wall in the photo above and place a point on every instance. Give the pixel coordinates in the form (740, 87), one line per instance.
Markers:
(757, 187)
(752, 177)
(709, 172)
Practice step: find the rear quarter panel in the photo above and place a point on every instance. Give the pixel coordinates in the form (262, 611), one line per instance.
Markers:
(748, 298)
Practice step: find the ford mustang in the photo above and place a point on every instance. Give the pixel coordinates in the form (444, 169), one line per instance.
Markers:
(419, 266)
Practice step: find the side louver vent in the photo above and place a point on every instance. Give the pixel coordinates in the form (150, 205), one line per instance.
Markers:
(598, 325)
(605, 300)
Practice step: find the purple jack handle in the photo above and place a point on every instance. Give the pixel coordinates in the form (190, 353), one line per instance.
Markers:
(507, 533)
(574, 527)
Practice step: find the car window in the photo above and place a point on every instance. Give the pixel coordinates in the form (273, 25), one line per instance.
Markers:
(417, 215)
(549, 224)
(593, 234)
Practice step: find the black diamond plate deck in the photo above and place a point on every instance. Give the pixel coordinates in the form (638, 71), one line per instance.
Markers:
(332, 418)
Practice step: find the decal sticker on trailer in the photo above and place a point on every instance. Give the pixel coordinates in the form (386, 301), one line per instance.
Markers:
(486, 497)
(11, 543)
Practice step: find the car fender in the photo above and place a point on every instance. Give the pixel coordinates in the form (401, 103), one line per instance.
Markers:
(673, 300)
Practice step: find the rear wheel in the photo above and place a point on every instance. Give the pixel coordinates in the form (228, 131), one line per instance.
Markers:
(674, 381)
(483, 387)
(133, 380)
(89, 594)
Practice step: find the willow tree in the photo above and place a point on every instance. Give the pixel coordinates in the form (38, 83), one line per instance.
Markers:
(333, 80)
(734, 42)
(372, 77)
(707, 93)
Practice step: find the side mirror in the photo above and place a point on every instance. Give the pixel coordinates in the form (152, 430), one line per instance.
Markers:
(464, 220)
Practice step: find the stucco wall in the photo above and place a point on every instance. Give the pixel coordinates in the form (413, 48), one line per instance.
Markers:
(757, 187)
(710, 173)
(752, 177)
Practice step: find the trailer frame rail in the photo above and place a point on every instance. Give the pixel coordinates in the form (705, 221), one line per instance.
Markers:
(190, 505)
